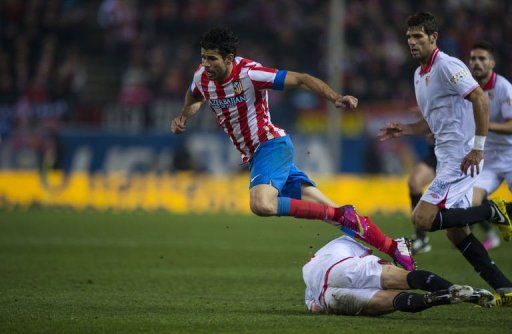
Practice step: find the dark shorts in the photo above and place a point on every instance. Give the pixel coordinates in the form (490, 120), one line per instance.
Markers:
(272, 163)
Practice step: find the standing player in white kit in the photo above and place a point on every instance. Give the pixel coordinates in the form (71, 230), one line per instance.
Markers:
(498, 146)
(344, 278)
(442, 86)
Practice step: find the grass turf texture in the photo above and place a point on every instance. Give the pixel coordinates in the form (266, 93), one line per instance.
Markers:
(63, 271)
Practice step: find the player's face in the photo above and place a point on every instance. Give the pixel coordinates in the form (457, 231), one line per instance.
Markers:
(420, 44)
(216, 67)
(481, 63)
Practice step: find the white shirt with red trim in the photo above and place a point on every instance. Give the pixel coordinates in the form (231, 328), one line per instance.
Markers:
(499, 91)
(314, 271)
(240, 103)
(441, 87)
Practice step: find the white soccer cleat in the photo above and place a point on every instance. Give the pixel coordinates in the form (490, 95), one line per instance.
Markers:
(403, 254)
(460, 293)
(420, 246)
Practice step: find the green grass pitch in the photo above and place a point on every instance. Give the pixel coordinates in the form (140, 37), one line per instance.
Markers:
(67, 272)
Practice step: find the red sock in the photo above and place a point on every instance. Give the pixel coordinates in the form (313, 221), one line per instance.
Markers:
(376, 238)
(372, 235)
(312, 210)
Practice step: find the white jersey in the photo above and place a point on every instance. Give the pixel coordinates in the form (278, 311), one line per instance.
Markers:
(498, 147)
(441, 87)
(499, 91)
(334, 252)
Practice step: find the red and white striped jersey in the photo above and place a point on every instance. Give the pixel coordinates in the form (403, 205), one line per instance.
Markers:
(240, 103)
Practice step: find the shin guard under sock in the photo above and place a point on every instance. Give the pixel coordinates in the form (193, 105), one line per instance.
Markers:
(410, 302)
(475, 253)
(426, 280)
(448, 218)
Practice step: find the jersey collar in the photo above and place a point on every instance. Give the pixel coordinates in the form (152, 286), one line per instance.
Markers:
(234, 71)
(491, 82)
(430, 62)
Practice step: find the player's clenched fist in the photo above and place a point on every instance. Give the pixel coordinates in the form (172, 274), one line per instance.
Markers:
(347, 101)
(178, 125)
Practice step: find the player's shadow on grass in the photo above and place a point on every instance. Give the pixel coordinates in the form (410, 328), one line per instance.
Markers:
(395, 317)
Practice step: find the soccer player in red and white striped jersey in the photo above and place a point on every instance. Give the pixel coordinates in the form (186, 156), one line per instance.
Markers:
(236, 90)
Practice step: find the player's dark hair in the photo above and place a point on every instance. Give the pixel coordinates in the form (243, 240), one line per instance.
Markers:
(424, 20)
(484, 45)
(222, 39)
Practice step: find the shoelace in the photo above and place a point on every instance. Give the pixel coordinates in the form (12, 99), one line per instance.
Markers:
(402, 247)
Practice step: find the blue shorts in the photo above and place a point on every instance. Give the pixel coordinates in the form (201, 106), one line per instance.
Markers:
(272, 163)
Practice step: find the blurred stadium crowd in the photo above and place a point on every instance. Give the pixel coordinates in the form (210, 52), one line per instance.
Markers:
(125, 64)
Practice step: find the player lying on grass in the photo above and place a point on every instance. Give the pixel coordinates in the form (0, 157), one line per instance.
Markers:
(344, 278)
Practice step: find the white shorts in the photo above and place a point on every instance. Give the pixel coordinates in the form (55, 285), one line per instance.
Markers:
(451, 188)
(498, 168)
(351, 284)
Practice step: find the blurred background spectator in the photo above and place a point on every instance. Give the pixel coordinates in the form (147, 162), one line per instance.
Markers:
(124, 65)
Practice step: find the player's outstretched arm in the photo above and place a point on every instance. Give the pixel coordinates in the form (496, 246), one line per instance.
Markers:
(397, 129)
(190, 108)
(309, 82)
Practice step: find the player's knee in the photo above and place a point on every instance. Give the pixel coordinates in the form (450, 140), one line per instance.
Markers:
(478, 196)
(262, 207)
(457, 235)
(421, 220)
(343, 301)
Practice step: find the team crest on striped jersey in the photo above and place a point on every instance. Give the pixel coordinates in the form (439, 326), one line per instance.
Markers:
(237, 87)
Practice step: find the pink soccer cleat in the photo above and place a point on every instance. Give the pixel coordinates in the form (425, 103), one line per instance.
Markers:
(403, 254)
(352, 220)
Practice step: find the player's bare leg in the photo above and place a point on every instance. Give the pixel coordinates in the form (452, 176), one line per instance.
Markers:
(457, 234)
(479, 195)
(381, 303)
(310, 193)
(263, 200)
(421, 175)
(424, 214)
